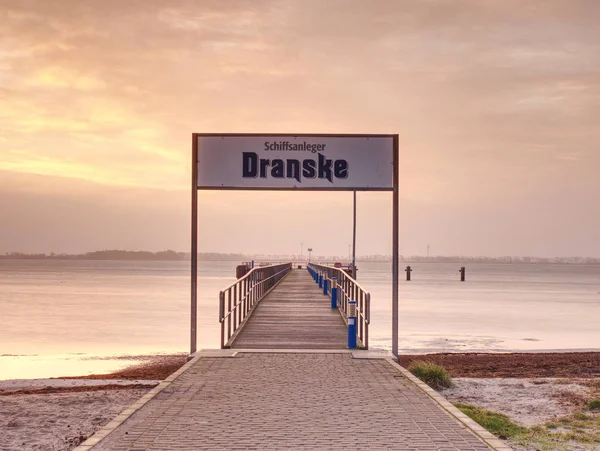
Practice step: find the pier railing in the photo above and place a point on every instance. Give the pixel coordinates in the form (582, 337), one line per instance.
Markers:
(238, 299)
(348, 289)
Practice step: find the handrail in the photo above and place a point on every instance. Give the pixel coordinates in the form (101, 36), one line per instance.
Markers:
(348, 289)
(243, 295)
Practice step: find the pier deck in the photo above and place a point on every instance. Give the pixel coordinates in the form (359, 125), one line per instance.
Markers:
(295, 315)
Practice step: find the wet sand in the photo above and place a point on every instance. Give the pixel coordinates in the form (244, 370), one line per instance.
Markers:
(149, 368)
(500, 365)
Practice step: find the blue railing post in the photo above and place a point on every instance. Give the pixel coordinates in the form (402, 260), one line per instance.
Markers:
(351, 324)
(321, 280)
(333, 292)
(325, 283)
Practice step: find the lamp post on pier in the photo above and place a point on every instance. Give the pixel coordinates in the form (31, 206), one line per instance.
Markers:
(354, 239)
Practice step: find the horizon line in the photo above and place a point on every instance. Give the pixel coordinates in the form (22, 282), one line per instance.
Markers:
(294, 256)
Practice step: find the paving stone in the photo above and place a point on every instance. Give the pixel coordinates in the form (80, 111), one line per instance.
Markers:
(291, 401)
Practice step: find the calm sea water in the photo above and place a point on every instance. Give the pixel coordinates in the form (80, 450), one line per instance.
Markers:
(80, 311)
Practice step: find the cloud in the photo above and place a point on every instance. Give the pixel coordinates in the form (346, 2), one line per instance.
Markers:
(493, 100)
(60, 78)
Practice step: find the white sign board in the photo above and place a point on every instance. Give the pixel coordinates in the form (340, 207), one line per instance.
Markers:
(317, 162)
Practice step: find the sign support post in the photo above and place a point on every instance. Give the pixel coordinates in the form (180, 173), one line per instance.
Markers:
(395, 245)
(194, 256)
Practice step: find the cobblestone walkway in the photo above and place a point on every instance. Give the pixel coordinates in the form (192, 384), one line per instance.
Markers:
(291, 401)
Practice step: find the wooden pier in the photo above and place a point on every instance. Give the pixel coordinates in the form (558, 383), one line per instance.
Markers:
(278, 307)
(295, 315)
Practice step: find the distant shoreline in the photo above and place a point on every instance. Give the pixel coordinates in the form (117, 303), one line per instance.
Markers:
(169, 255)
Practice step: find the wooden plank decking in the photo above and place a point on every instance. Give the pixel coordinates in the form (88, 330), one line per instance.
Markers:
(295, 315)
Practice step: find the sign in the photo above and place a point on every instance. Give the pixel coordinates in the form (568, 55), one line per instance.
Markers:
(313, 162)
(296, 162)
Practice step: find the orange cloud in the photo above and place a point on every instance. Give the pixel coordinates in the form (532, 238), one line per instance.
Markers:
(58, 77)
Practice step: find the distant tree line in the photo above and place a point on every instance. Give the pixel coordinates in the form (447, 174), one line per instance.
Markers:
(115, 254)
(507, 259)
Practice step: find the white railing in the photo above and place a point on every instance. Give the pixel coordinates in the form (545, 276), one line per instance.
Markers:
(238, 299)
(348, 289)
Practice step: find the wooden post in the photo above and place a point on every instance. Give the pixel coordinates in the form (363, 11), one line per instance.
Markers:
(462, 273)
(408, 271)
(351, 324)
(334, 293)
(221, 315)
(229, 314)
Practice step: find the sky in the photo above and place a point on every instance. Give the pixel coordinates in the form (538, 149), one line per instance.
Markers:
(496, 103)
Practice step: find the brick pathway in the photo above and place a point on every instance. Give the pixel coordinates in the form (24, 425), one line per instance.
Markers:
(291, 401)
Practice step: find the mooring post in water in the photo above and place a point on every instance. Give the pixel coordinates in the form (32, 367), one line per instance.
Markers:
(325, 283)
(333, 292)
(408, 271)
(462, 273)
(352, 324)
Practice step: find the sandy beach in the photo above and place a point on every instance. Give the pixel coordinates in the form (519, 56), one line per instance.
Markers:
(59, 420)
(532, 389)
(58, 414)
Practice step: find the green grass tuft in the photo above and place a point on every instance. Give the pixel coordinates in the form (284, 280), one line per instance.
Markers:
(559, 435)
(433, 375)
(594, 404)
(497, 423)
